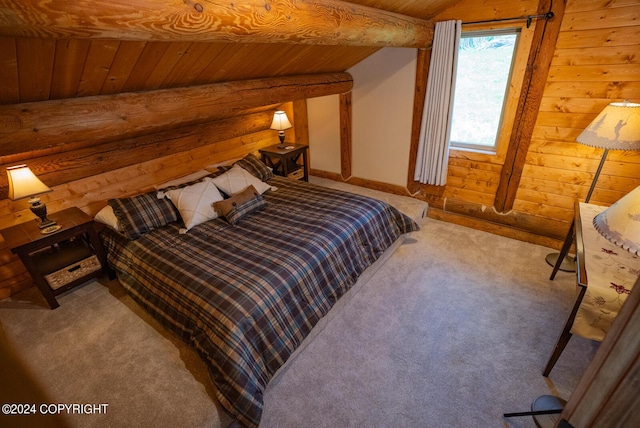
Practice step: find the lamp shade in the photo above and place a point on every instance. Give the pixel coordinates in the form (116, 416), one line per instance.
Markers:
(620, 223)
(23, 183)
(280, 121)
(617, 127)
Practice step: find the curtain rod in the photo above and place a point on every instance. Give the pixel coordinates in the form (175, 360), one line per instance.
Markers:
(528, 18)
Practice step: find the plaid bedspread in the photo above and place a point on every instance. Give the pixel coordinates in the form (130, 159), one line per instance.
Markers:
(245, 296)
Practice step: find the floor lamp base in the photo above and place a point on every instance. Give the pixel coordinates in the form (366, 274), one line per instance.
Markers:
(567, 265)
(545, 411)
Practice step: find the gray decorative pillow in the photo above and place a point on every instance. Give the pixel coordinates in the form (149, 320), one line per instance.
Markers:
(143, 213)
(255, 166)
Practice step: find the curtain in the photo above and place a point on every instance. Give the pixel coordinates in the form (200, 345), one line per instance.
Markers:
(433, 146)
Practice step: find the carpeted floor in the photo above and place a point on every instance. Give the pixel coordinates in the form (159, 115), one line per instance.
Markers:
(453, 330)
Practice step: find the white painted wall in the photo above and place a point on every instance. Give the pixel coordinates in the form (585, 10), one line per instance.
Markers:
(382, 103)
(324, 133)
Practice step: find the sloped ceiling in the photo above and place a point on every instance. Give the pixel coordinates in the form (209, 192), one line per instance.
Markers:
(423, 9)
(46, 68)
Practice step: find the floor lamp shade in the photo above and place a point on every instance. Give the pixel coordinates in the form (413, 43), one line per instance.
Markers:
(617, 127)
(620, 223)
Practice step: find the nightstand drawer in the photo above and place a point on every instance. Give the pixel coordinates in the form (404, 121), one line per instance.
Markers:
(72, 272)
(297, 174)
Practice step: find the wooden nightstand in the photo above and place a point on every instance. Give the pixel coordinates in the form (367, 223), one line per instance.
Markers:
(285, 161)
(59, 261)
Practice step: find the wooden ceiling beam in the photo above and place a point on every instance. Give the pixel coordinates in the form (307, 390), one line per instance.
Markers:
(86, 121)
(324, 22)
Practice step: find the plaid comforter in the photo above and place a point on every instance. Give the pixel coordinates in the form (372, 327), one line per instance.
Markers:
(245, 296)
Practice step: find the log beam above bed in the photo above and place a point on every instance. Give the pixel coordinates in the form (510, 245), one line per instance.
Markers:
(87, 121)
(326, 22)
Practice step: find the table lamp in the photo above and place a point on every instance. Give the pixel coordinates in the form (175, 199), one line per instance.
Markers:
(617, 127)
(280, 123)
(23, 183)
(620, 223)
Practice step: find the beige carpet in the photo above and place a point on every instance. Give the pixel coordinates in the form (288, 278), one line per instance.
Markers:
(453, 330)
(100, 347)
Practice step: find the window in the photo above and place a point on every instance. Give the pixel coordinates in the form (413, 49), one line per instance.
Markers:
(485, 61)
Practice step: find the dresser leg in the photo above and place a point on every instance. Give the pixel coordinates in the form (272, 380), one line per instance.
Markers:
(564, 251)
(565, 335)
(560, 345)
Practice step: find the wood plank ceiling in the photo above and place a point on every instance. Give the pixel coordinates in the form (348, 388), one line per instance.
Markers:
(43, 68)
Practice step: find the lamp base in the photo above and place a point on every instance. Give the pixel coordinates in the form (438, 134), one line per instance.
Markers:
(548, 403)
(567, 265)
(41, 211)
(282, 145)
(46, 223)
(545, 411)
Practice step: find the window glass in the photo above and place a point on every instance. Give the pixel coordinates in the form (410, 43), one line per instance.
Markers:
(484, 69)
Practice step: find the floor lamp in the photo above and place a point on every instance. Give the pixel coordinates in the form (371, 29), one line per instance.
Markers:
(617, 127)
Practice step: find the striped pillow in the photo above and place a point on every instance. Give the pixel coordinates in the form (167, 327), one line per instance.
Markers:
(143, 213)
(255, 166)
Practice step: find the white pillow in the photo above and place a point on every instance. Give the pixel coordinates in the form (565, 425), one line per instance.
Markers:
(237, 179)
(108, 217)
(195, 202)
(184, 179)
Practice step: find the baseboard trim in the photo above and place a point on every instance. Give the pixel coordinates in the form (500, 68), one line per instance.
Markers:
(495, 228)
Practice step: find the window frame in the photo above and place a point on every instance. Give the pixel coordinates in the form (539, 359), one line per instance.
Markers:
(459, 156)
(493, 149)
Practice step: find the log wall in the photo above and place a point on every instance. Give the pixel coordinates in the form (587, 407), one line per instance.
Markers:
(595, 62)
(91, 193)
(96, 148)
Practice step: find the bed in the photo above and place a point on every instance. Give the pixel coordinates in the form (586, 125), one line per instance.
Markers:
(245, 295)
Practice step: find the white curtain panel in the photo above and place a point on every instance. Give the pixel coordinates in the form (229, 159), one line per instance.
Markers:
(433, 147)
